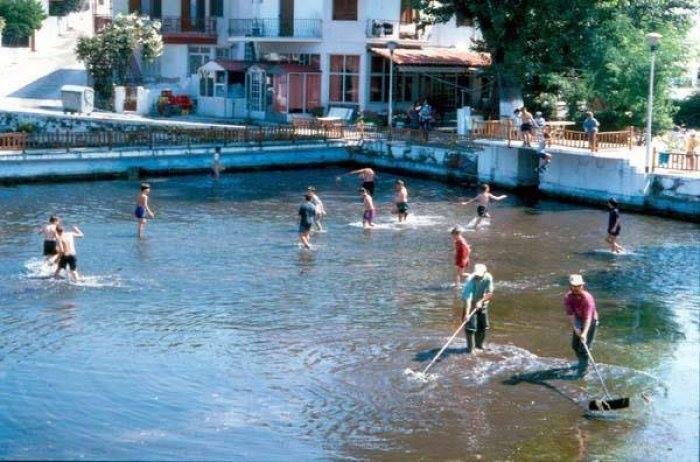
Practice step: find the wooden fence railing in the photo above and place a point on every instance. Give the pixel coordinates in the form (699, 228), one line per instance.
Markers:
(158, 137)
(676, 161)
(175, 137)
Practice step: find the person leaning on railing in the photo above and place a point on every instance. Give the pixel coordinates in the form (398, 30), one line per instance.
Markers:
(590, 126)
(691, 144)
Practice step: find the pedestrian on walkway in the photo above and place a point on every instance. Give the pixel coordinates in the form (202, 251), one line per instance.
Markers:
(582, 313)
(477, 293)
(590, 126)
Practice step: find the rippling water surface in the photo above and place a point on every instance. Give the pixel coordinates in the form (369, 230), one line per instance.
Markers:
(216, 337)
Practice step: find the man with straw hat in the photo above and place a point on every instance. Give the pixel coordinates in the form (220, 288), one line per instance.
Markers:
(477, 293)
(581, 311)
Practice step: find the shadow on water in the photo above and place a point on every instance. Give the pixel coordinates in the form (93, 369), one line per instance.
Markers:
(542, 378)
(427, 355)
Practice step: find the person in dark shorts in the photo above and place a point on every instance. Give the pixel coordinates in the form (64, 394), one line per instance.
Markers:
(483, 199)
(50, 251)
(614, 226)
(401, 200)
(65, 244)
(307, 216)
(476, 295)
(367, 176)
(142, 210)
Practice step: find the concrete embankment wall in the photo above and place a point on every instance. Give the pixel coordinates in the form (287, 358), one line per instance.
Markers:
(573, 174)
(56, 166)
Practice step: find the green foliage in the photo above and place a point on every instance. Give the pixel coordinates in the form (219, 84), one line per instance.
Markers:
(689, 112)
(63, 7)
(108, 56)
(26, 127)
(591, 54)
(22, 18)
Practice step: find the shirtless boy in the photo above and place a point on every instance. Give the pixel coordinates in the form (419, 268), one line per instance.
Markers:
(367, 176)
(483, 199)
(142, 210)
(401, 200)
(49, 232)
(320, 211)
(368, 207)
(65, 245)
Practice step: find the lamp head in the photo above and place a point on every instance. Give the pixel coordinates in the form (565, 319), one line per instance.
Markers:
(653, 38)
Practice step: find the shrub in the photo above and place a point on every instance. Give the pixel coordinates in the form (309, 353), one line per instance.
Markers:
(22, 18)
(689, 112)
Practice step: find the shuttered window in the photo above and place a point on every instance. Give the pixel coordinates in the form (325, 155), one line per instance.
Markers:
(344, 10)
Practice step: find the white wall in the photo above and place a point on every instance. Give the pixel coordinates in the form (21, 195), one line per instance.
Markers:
(120, 6)
(308, 9)
(449, 35)
(173, 61)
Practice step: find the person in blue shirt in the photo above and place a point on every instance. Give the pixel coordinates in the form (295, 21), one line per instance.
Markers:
(476, 295)
(307, 217)
(590, 126)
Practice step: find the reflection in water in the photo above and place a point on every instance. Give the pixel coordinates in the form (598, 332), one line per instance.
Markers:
(217, 335)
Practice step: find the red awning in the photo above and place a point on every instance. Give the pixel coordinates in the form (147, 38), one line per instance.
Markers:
(435, 57)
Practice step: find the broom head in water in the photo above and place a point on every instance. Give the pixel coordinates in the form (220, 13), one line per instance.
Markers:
(608, 404)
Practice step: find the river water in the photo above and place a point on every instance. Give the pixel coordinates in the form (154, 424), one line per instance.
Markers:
(216, 337)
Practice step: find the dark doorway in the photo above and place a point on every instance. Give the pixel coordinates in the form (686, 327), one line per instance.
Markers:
(286, 18)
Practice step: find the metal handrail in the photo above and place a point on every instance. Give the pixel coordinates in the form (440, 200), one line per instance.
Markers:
(179, 25)
(275, 27)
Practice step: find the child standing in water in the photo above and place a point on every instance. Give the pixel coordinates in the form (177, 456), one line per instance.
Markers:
(483, 200)
(320, 211)
(614, 226)
(65, 244)
(142, 210)
(216, 167)
(50, 238)
(368, 207)
(307, 216)
(401, 200)
(462, 252)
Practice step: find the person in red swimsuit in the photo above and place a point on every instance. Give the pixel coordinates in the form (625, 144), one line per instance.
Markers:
(462, 252)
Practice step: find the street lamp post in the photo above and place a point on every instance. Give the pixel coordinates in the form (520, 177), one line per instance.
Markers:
(391, 45)
(653, 39)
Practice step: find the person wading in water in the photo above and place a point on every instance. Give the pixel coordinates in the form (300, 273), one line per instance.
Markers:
(477, 293)
(581, 311)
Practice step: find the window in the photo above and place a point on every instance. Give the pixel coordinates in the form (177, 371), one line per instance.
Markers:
(150, 8)
(197, 57)
(216, 8)
(223, 53)
(379, 82)
(344, 10)
(344, 79)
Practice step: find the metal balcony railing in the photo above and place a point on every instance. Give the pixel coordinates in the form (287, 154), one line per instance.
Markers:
(395, 30)
(179, 25)
(275, 27)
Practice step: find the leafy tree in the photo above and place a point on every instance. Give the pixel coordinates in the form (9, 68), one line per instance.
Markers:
(689, 112)
(22, 18)
(2, 24)
(110, 55)
(63, 7)
(591, 54)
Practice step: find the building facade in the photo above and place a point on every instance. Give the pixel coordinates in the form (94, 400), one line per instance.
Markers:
(273, 58)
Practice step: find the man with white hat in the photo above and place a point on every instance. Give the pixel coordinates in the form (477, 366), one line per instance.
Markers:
(581, 310)
(476, 295)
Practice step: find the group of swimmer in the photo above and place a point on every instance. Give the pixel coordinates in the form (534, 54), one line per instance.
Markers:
(476, 289)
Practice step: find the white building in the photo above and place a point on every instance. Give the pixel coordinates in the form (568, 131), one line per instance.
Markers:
(273, 58)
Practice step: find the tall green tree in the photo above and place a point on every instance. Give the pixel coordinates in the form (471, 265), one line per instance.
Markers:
(22, 18)
(589, 53)
(110, 55)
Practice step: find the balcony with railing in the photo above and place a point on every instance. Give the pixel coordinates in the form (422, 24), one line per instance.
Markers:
(381, 29)
(183, 30)
(277, 29)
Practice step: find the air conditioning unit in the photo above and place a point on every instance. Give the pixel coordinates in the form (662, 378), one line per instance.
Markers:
(77, 98)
